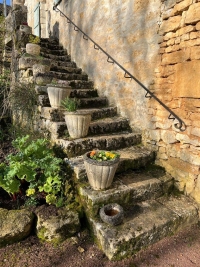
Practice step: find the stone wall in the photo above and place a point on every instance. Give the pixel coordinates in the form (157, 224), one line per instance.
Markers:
(127, 30)
(177, 83)
(157, 41)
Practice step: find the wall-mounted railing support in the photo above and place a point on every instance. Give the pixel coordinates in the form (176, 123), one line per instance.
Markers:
(180, 125)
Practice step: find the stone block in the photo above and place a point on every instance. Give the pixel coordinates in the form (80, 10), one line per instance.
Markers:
(187, 77)
(183, 5)
(195, 131)
(172, 24)
(175, 57)
(56, 228)
(187, 156)
(169, 137)
(177, 163)
(192, 14)
(198, 26)
(15, 225)
(195, 52)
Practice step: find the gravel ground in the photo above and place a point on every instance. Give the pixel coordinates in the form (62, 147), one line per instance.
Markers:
(182, 250)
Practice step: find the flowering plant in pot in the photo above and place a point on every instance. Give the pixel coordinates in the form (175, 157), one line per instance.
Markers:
(77, 121)
(101, 167)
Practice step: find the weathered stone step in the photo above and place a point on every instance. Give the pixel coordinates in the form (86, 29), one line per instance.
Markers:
(84, 93)
(55, 57)
(56, 52)
(127, 189)
(66, 69)
(80, 146)
(51, 46)
(109, 125)
(93, 102)
(69, 76)
(70, 64)
(56, 115)
(144, 223)
(131, 158)
(78, 84)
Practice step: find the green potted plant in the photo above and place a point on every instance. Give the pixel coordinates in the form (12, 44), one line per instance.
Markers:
(33, 47)
(78, 122)
(101, 167)
(57, 93)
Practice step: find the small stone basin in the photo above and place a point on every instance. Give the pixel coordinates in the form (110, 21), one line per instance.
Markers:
(112, 214)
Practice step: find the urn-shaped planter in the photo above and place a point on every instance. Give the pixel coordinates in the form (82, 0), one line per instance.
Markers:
(78, 123)
(57, 93)
(100, 173)
(112, 214)
(33, 49)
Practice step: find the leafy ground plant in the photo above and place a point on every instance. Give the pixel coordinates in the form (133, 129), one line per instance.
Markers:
(34, 169)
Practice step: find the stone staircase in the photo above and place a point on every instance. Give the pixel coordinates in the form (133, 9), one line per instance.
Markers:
(140, 187)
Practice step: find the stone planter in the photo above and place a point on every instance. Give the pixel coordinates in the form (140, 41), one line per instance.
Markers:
(100, 173)
(26, 29)
(57, 93)
(78, 123)
(112, 214)
(40, 68)
(33, 49)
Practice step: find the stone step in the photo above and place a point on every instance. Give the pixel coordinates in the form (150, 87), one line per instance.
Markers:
(66, 69)
(56, 115)
(70, 64)
(84, 93)
(109, 125)
(78, 84)
(78, 147)
(66, 58)
(51, 46)
(56, 52)
(69, 76)
(131, 158)
(94, 102)
(103, 126)
(144, 223)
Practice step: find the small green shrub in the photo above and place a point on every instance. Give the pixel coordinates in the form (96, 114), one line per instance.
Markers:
(71, 104)
(36, 165)
(34, 39)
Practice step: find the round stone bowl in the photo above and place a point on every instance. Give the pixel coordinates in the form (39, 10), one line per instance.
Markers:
(112, 214)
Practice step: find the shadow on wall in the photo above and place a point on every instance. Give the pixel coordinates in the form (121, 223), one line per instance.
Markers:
(123, 30)
(56, 32)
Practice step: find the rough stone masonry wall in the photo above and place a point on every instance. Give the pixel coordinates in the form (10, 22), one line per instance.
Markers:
(177, 83)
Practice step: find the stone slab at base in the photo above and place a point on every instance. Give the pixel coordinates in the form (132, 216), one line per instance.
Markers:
(144, 224)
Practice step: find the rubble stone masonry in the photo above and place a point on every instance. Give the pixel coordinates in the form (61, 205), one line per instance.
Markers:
(158, 41)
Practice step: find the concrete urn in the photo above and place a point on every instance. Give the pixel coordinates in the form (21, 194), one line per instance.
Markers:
(78, 123)
(100, 173)
(57, 93)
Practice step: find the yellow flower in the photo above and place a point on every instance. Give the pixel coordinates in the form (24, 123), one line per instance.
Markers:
(30, 191)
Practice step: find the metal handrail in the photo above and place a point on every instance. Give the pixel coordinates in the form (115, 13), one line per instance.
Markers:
(180, 125)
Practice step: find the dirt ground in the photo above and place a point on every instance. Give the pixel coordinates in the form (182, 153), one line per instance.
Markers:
(182, 250)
